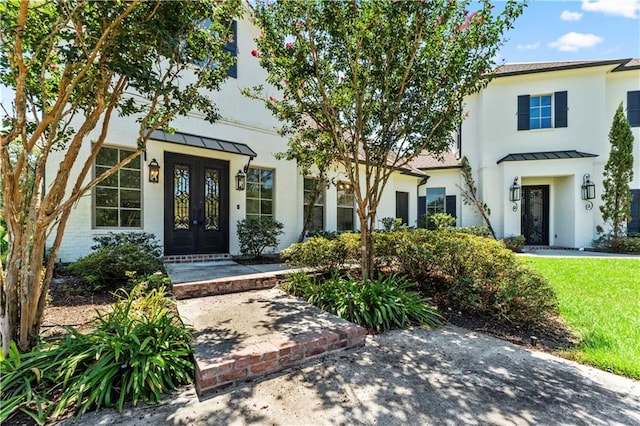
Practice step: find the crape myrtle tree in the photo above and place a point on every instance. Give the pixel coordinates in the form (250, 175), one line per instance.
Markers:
(618, 172)
(381, 80)
(72, 65)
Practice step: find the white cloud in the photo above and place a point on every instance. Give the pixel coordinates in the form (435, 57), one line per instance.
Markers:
(570, 16)
(530, 46)
(626, 8)
(572, 42)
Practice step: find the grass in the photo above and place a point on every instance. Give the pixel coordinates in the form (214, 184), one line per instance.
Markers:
(600, 300)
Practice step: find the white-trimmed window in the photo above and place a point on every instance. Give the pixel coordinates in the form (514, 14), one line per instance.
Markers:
(260, 192)
(345, 210)
(118, 198)
(435, 201)
(540, 112)
(317, 216)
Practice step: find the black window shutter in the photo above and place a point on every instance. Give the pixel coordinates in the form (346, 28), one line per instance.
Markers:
(232, 48)
(633, 108)
(560, 107)
(450, 205)
(422, 206)
(523, 112)
(633, 226)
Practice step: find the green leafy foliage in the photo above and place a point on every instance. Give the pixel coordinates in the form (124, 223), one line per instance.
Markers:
(4, 242)
(256, 235)
(477, 275)
(375, 82)
(440, 221)
(618, 173)
(139, 350)
(514, 243)
(380, 305)
(471, 273)
(618, 245)
(392, 224)
(115, 257)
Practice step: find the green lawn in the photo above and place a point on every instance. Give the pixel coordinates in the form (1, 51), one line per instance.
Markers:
(599, 299)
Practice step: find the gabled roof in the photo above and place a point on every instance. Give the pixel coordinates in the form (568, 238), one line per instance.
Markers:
(537, 67)
(203, 142)
(546, 155)
(429, 161)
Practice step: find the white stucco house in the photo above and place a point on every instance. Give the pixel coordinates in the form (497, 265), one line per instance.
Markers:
(194, 204)
(541, 128)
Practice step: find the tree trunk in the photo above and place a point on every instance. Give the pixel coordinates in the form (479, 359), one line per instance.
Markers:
(367, 253)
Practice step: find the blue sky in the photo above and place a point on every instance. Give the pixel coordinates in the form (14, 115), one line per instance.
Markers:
(555, 30)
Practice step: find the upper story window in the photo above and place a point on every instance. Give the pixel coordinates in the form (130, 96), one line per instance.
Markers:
(311, 187)
(118, 198)
(231, 48)
(633, 108)
(542, 111)
(260, 192)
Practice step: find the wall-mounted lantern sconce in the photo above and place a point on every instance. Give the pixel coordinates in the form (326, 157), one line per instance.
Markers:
(588, 191)
(154, 171)
(514, 193)
(241, 180)
(343, 186)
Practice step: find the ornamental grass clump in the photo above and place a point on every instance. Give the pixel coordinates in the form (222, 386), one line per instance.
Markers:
(138, 350)
(378, 305)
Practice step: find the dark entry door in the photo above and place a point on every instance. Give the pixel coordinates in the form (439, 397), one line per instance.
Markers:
(535, 214)
(196, 217)
(402, 206)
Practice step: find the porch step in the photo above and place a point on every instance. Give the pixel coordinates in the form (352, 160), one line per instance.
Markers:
(230, 284)
(190, 258)
(247, 336)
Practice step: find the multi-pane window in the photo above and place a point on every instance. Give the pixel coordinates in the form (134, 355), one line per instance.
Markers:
(540, 112)
(259, 192)
(435, 201)
(230, 48)
(543, 111)
(345, 207)
(118, 198)
(314, 194)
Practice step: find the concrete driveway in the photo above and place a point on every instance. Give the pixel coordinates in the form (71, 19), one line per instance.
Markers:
(449, 376)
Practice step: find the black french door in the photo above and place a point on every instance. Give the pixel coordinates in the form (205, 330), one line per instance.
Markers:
(196, 193)
(535, 215)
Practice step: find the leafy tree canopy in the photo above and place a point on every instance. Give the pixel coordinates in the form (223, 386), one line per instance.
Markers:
(382, 80)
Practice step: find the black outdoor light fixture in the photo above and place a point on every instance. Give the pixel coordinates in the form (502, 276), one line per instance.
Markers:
(588, 191)
(514, 193)
(241, 180)
(154, 171)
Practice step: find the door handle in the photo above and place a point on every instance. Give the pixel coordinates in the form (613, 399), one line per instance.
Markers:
(194, 220)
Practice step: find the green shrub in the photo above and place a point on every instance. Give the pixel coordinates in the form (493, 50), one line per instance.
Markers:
(390, 224)
(480, 231)
(156, 280)
(258, 234)
(440, 221)
(514, 243)
(138, 350)
(318, 253)
(380, 305)
(629, 244)
(477, 275)
(115, 255)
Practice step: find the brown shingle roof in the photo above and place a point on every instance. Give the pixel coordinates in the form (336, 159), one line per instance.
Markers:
(427, 161)
(535, 67)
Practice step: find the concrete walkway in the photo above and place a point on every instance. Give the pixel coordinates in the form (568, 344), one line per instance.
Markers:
(449, 376)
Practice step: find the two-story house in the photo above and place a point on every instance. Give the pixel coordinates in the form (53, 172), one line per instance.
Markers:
(192, 187)
(537, 140)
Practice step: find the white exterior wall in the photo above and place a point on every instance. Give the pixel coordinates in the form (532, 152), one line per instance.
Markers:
(490, 133)
(243, 120)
